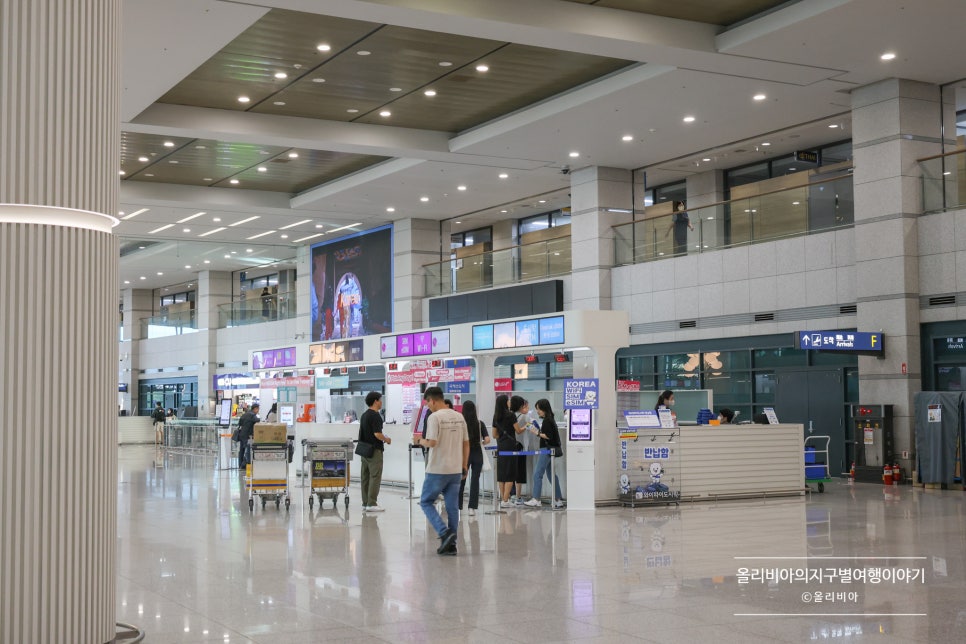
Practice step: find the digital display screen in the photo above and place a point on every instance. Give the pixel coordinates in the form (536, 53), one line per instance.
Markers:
(423, 343)
(482, 337)
(224, 414)
(527, 332)
(273, 358)
(441, 341)
(504, 335)
(404, 345)
(331, 352)
(387, 346)
(552, 330)
(580, 425)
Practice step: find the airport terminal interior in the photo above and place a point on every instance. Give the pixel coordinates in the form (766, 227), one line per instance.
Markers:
(758, 206)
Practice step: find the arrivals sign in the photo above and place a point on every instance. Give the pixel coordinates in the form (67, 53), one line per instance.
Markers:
(855, 341)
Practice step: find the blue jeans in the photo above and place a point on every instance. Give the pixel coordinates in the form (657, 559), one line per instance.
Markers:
(543, 466)
(449, 486)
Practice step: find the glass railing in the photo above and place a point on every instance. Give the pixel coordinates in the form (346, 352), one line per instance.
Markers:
(161, 326)
(820, 205)
(499, 267)
(943, 181)
(278, 306)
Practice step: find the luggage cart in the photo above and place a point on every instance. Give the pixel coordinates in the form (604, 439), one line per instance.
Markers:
(816, 461)
(326, 466)
(269, 477)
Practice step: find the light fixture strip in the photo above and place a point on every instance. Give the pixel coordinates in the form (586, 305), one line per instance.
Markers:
(308, 238)
(212, 232)
(189, 218)
(244, 221)
(157, 230)
(136, 213)
(298, 223)
(335, 230)
(261, 234)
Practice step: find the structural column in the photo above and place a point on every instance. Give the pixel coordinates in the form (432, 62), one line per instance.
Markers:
(894, 122)
(214, 291)
(415, 243)
(136, 304)
(59, 155)
(600, 199)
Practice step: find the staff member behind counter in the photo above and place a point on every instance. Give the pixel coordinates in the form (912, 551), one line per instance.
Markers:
(725, 416)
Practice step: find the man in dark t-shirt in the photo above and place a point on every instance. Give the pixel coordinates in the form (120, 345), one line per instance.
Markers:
(246, 427)
(370, 431)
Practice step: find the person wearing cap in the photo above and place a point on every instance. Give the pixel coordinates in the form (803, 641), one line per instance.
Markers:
(246, 426)
(370, 431)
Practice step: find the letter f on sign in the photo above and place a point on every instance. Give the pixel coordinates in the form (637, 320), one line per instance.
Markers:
(875, 338)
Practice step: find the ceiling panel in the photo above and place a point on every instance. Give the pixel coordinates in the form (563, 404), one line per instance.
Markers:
(202, 162)
(715, 12)
(281, 41)
(518, 75)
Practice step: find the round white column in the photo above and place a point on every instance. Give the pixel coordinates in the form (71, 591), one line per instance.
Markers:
(59, 154)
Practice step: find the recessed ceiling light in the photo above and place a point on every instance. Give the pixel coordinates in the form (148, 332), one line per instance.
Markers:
(160, 273)
(574, 154)
(482, 68)
(245, 221)
(142, 247)
(947, 173)
(430, 92)
(543, 201)
(424, 198)
(888, 55)
(504, 175)
(249, 250)
(461, 188)
(395, 89)
(293, 155)
(363, 52)
(445, 63)
(833, 126)
(627, 137)
(318, 80)
(706, 159)
(235, 252)
(190, 217)
(187, 265)
(137, 212)
(212, 232)
(127, 281)
(318, 225)
(121, 172)
(766, 143)
(186, 230)
(689, 119)
(352, 111)
(173, 161)
(207, 261)
(503, 211)
(227, 256)
(279, 103)
(143, 159)
(149, 175)
(458, 222)
(284, 236)
(233, 181)
(200, 147)
(243, 99)
(216, 219)
(390, 209)
(795, 203)
(207, 179)
(759, 97)
(385, 113)
(143, 277)
(268, 232)
(169, 144)
(792, 169)
(263, 169)
(323, 47)
(297, 223)
(281, 75)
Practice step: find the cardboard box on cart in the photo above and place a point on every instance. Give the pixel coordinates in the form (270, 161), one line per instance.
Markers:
(270, 433)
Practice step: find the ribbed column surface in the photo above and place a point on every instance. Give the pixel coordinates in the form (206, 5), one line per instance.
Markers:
(60, 103)
(59, 146)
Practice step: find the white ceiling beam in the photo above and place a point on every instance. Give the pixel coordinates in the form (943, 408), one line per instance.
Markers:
(774, 21)
(566, 26)
(355, 180)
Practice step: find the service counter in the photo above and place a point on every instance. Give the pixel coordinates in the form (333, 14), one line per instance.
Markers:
(721, 461)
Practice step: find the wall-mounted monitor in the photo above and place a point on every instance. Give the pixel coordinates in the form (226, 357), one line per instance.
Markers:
(482, 337)
(333, 352)
(523, 333)
(527, 333)
(273, 358)
(552, 330)
(504, 335)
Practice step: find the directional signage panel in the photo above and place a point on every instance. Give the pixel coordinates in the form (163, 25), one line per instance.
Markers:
(857, 341)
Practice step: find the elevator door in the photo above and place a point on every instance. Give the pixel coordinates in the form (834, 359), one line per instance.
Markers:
(817, 395)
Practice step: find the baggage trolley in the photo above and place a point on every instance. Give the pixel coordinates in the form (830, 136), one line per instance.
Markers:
(269, 477)
(816, 461)
(326, 466)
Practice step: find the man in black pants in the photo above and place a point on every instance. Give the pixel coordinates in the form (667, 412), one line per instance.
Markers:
(246, 425)
(370, 431)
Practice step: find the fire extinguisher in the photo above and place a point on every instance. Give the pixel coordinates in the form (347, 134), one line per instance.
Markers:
(896, 474)
(887, 474)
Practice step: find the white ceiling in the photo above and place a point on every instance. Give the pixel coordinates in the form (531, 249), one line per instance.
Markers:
(805, 57)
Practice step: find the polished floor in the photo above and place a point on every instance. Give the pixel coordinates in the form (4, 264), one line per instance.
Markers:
(195, 566)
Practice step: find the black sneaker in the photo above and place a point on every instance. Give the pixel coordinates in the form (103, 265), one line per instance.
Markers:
(447, 541)
(449, 552)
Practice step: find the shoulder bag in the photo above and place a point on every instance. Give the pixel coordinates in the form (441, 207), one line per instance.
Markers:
(363, 449)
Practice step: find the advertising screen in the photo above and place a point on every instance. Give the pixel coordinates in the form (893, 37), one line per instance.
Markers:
(441, 341)
(331, 352)
(504, 335)
(527, 333)
(224, 414)
(552, 330)
(423, 343)
(580, 425)
(482, 337)
(273, 358)
(387, 347)
(351, 292)
(404, 345)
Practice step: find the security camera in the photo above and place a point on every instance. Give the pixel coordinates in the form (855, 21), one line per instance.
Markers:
(565, 170)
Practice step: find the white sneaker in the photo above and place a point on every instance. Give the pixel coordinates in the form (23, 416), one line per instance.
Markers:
(533, 503)
(559, 504)
(374, 508)
(472, 512)
(507, 504)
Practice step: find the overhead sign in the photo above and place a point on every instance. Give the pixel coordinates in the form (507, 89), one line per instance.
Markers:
(628, 385)
(273, 358)
(418, 376)
(806, 156)
(581, 393)
(522, 333)
(840, 341)
(333, 352)
(503, 384)
(288, 381)
(414, 344)
(332, 382)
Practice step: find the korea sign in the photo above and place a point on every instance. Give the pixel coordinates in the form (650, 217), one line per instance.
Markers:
(840, 341)
(580, 393)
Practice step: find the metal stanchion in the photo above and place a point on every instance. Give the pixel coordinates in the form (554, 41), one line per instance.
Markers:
(553, 480)
(411, 486)
(496, 487)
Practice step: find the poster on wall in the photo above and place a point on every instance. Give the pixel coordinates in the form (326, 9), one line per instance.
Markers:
(351, 292)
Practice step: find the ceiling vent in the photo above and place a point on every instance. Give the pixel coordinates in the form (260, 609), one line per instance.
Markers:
(942, 300)
(848, 309)
(764, 317)
(688, 324)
